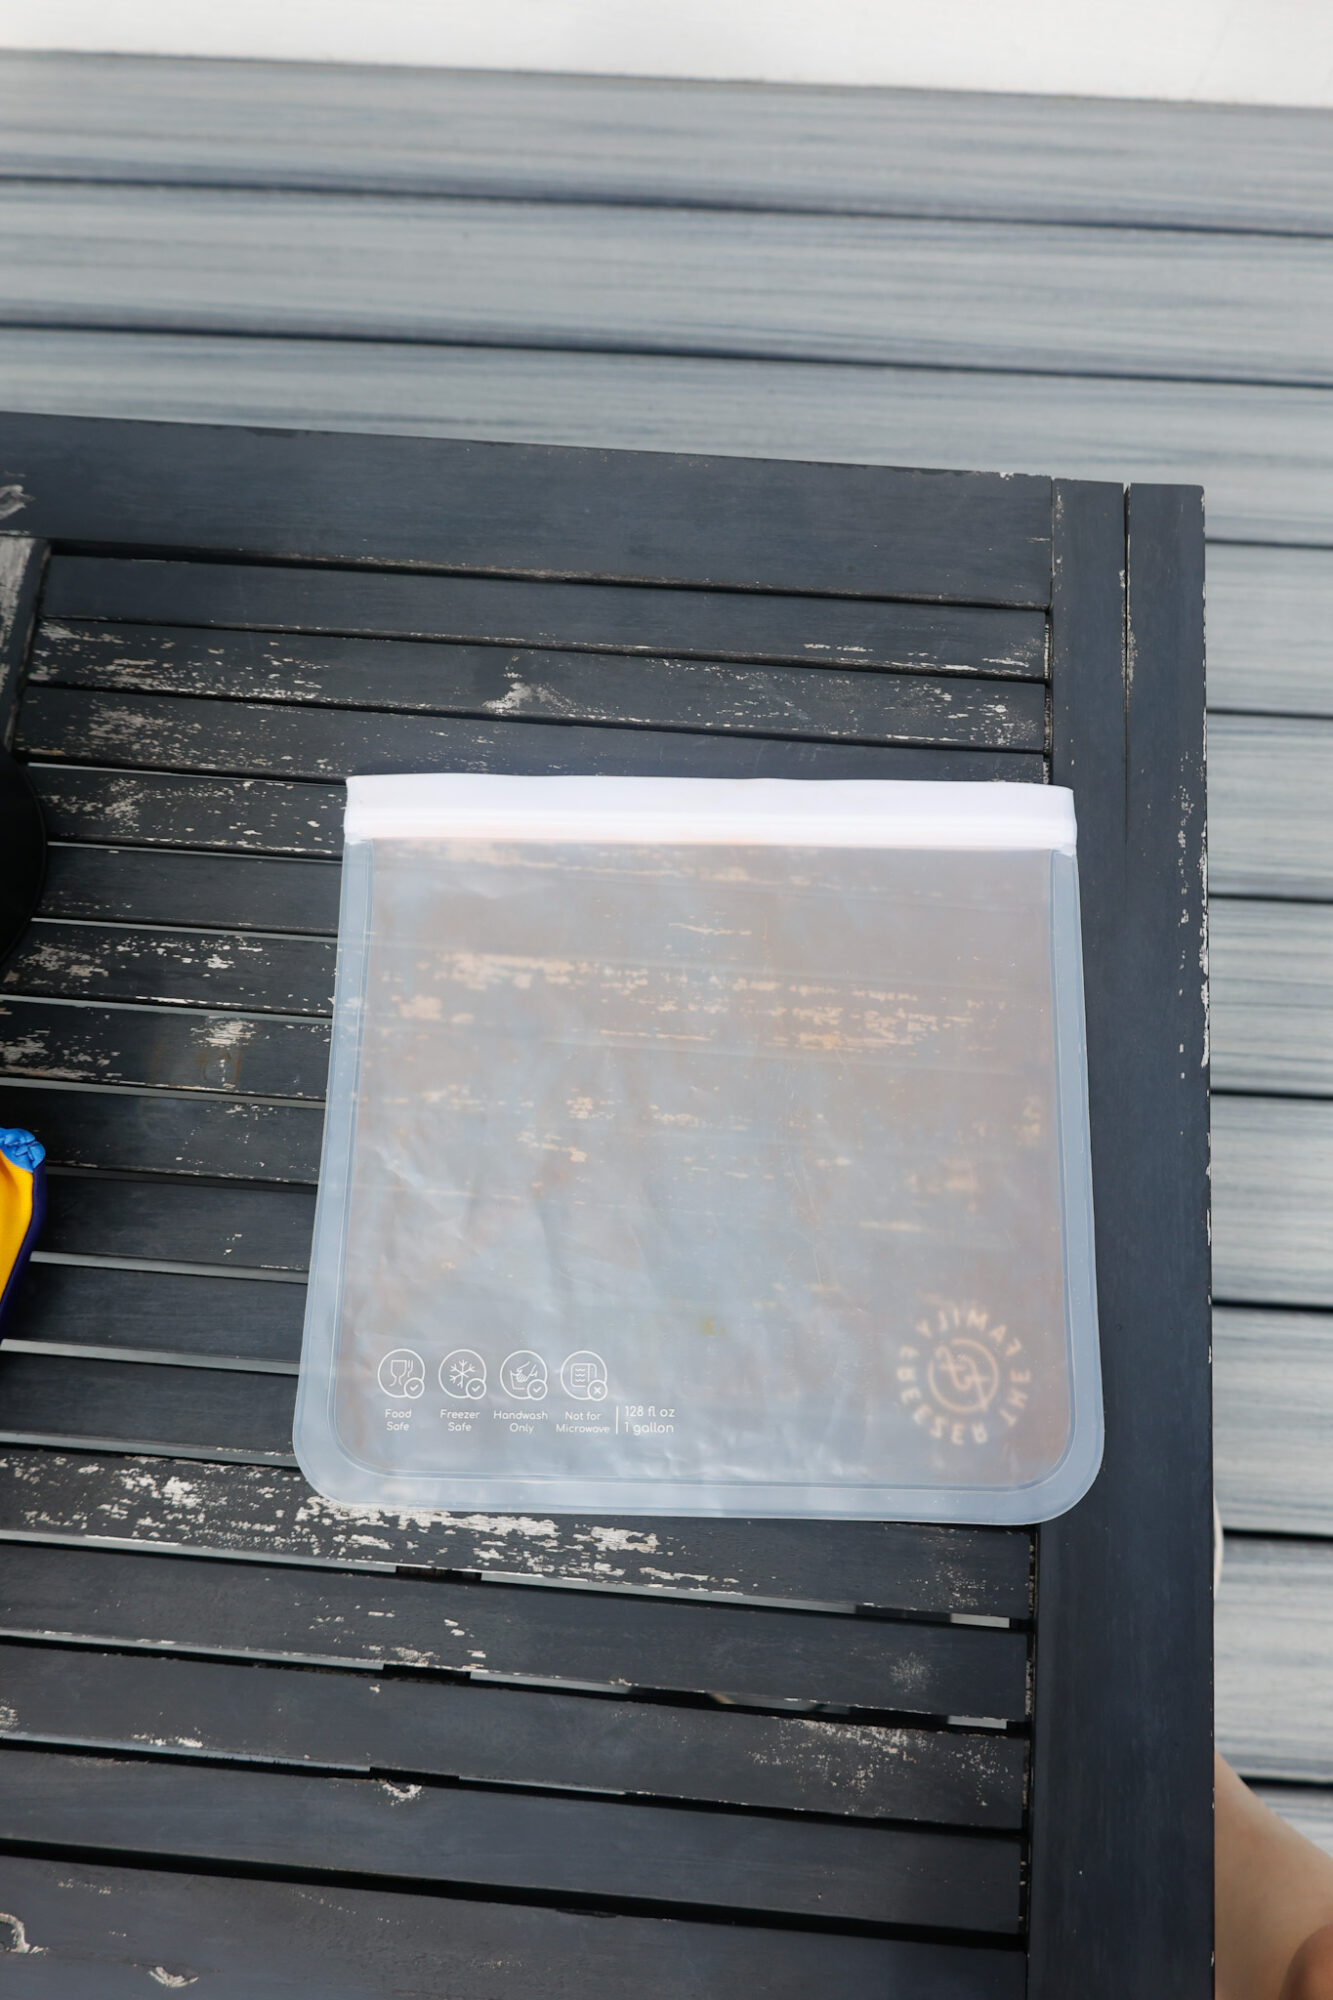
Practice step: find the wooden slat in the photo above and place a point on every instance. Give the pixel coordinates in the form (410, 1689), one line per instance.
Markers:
(151, 1405)
(487, 681)
(1270, 617)
(257, 740)
(627, 619)
(1270, 832)
(98, 1932)
(1272, 1193)
(486, 1735)
(268, 1511)
(661, 280)
(1273, 1419)
(1262, 454)
(1305, 1807)
(605, 1638)
(233, 891)
(466, 507)
(100, 1215)
(186, 968)
(238, 815)
(435, 1834)
(164, 1133)
(906, 152)
(169, 1312)
(1274, 1642)
(1271, 970)
(159, 1047)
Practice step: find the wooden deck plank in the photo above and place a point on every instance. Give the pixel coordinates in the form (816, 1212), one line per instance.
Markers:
(1192, 304)
(493, 1735)
(229, 891)
(151, 1405)
(163, 1048)
(329, 606)
(167, 733)
(135, 964)
(494, 681)
(1275, 1638)
(1273, 1418)
(639, 140)
(1268, 785)
(454, 505)
(270, 1513)
(1272, 1190)
(166, 1132)
(1271, 970)
(97, 1215)
(99, 1932)
(488, 1839)
(250, 1610)
(167, 1312)
(159, 809)
(1262, 454)
(1270, 621)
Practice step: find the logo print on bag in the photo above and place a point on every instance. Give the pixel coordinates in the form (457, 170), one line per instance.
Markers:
(964, 1380)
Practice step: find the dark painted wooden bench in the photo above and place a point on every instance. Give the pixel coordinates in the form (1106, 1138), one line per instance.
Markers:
(261, 1744)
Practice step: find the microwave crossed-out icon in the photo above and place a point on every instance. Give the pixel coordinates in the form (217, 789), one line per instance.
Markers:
(583, 1377)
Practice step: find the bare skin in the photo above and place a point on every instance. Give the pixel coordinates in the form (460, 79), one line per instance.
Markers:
(1274, 1903)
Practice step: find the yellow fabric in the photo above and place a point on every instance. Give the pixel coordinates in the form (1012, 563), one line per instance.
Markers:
(15, 1213)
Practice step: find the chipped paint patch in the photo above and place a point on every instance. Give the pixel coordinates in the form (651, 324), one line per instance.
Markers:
(14, 1938)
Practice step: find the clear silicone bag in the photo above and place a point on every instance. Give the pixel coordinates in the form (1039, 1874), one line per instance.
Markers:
(703, 1146)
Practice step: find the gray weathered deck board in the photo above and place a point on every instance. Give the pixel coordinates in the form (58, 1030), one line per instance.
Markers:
(1193, 305)
(1264, 456)
(1271, 967)
(1275, 1639)
(1269, 783)
(1270, 630)
(1273, 1417)
(1272, 1197)
(899, 152)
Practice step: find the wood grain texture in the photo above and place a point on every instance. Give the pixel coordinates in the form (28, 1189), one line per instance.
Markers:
(1273, 1419)
(1275, 1635)
(1263, 455)
(233, 892)
(507, 510)
(249, 1610)
(227, 1138)
(256, 740)
(1106, 301)
(153, 1406)
(170, 1312)
(1272, 1189)
(163, 1048)
(1270, 630)
(493, 681)
(510, 1736)
(232, 815)
(487, 1839)
(183, 968)
(1271, 970)
(1122, 1753)
(252, 1511)
(766, 146)
(99, 1932)
(1269, 779)
(247, 1228)
(332, 604)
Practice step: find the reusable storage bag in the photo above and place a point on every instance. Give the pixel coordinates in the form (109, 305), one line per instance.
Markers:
(705, 1146)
